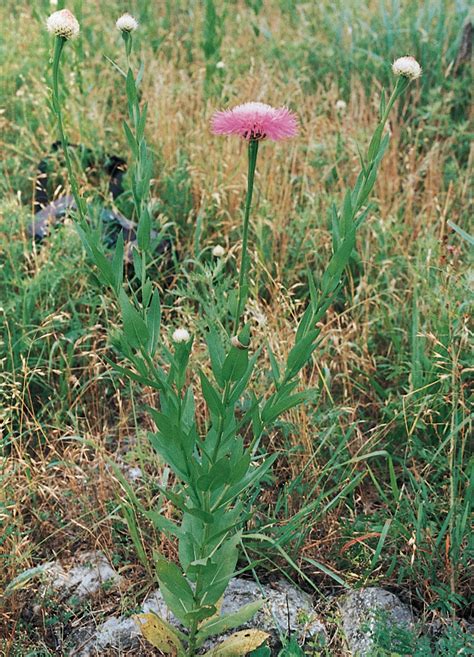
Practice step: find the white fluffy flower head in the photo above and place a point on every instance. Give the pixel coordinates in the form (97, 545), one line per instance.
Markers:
(407, 66)
(341, 105)
(181, 335)
(126, 23)
(63, 23)
(218, 251)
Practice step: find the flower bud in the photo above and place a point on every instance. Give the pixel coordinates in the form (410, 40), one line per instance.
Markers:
(181, 335)
(126, 23)
(218, 251)
(408, 67)
(64, 24)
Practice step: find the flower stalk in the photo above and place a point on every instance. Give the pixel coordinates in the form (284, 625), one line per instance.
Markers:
(141, 170)
(244, 260)
(59, 43)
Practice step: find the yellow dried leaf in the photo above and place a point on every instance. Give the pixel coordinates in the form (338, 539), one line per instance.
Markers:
(159, 634)
(238, 644)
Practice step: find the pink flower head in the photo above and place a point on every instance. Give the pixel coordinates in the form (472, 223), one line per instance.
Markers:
(256, 121)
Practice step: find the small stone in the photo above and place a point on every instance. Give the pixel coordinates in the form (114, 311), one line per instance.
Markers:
(360, 611)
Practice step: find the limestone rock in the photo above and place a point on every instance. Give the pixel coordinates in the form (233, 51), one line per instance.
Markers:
(360, 611)
(92, 571)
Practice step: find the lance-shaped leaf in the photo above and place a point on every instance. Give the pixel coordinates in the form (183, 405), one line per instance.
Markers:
(251, 479)
(217, 476)
(134, 328)
(218, 571)
(176, 591)
(153, 321)
(222, 624)
(300, 353)
(213, 400)
(217, 355)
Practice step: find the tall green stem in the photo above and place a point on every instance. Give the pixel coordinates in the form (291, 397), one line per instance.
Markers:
(142, 166)
(58, 48)
(244, 261)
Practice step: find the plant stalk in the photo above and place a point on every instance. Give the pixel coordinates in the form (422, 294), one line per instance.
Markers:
(244, 261)
(58, 48)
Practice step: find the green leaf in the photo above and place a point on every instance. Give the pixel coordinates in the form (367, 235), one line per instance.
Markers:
(241, 385)
(219, 570)
(337, 264)
(206, 517)
(274, 365)
(135, 329)
(168, 448)
(275, 410)
(235, 364)
(142, 122)
(346, 222)
(144, 230)
(216, 477)
(228, 622)
(327, 571)
(132, 142)
(176, 591)
(300, 353)
(201, 614)
(153, 322)
(305, 323)
(213, 400)
(375, 142)
(261, 651)
(94, 250)
(217, 354)
(469, 238)
(240, 468)
(188, 412)
(251, 479)
(22, 580)
(134, 532)
(131, 87)
(163, 524)
(291, 649)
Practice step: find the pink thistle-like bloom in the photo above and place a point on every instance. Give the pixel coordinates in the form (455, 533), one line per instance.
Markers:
(254, 121)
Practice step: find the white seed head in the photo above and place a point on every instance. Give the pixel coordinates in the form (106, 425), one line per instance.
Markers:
(63, 23)
(220, 65)
(126, 23)
(181, 335)
(407, 66)
(218, 251)
(341, 105)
